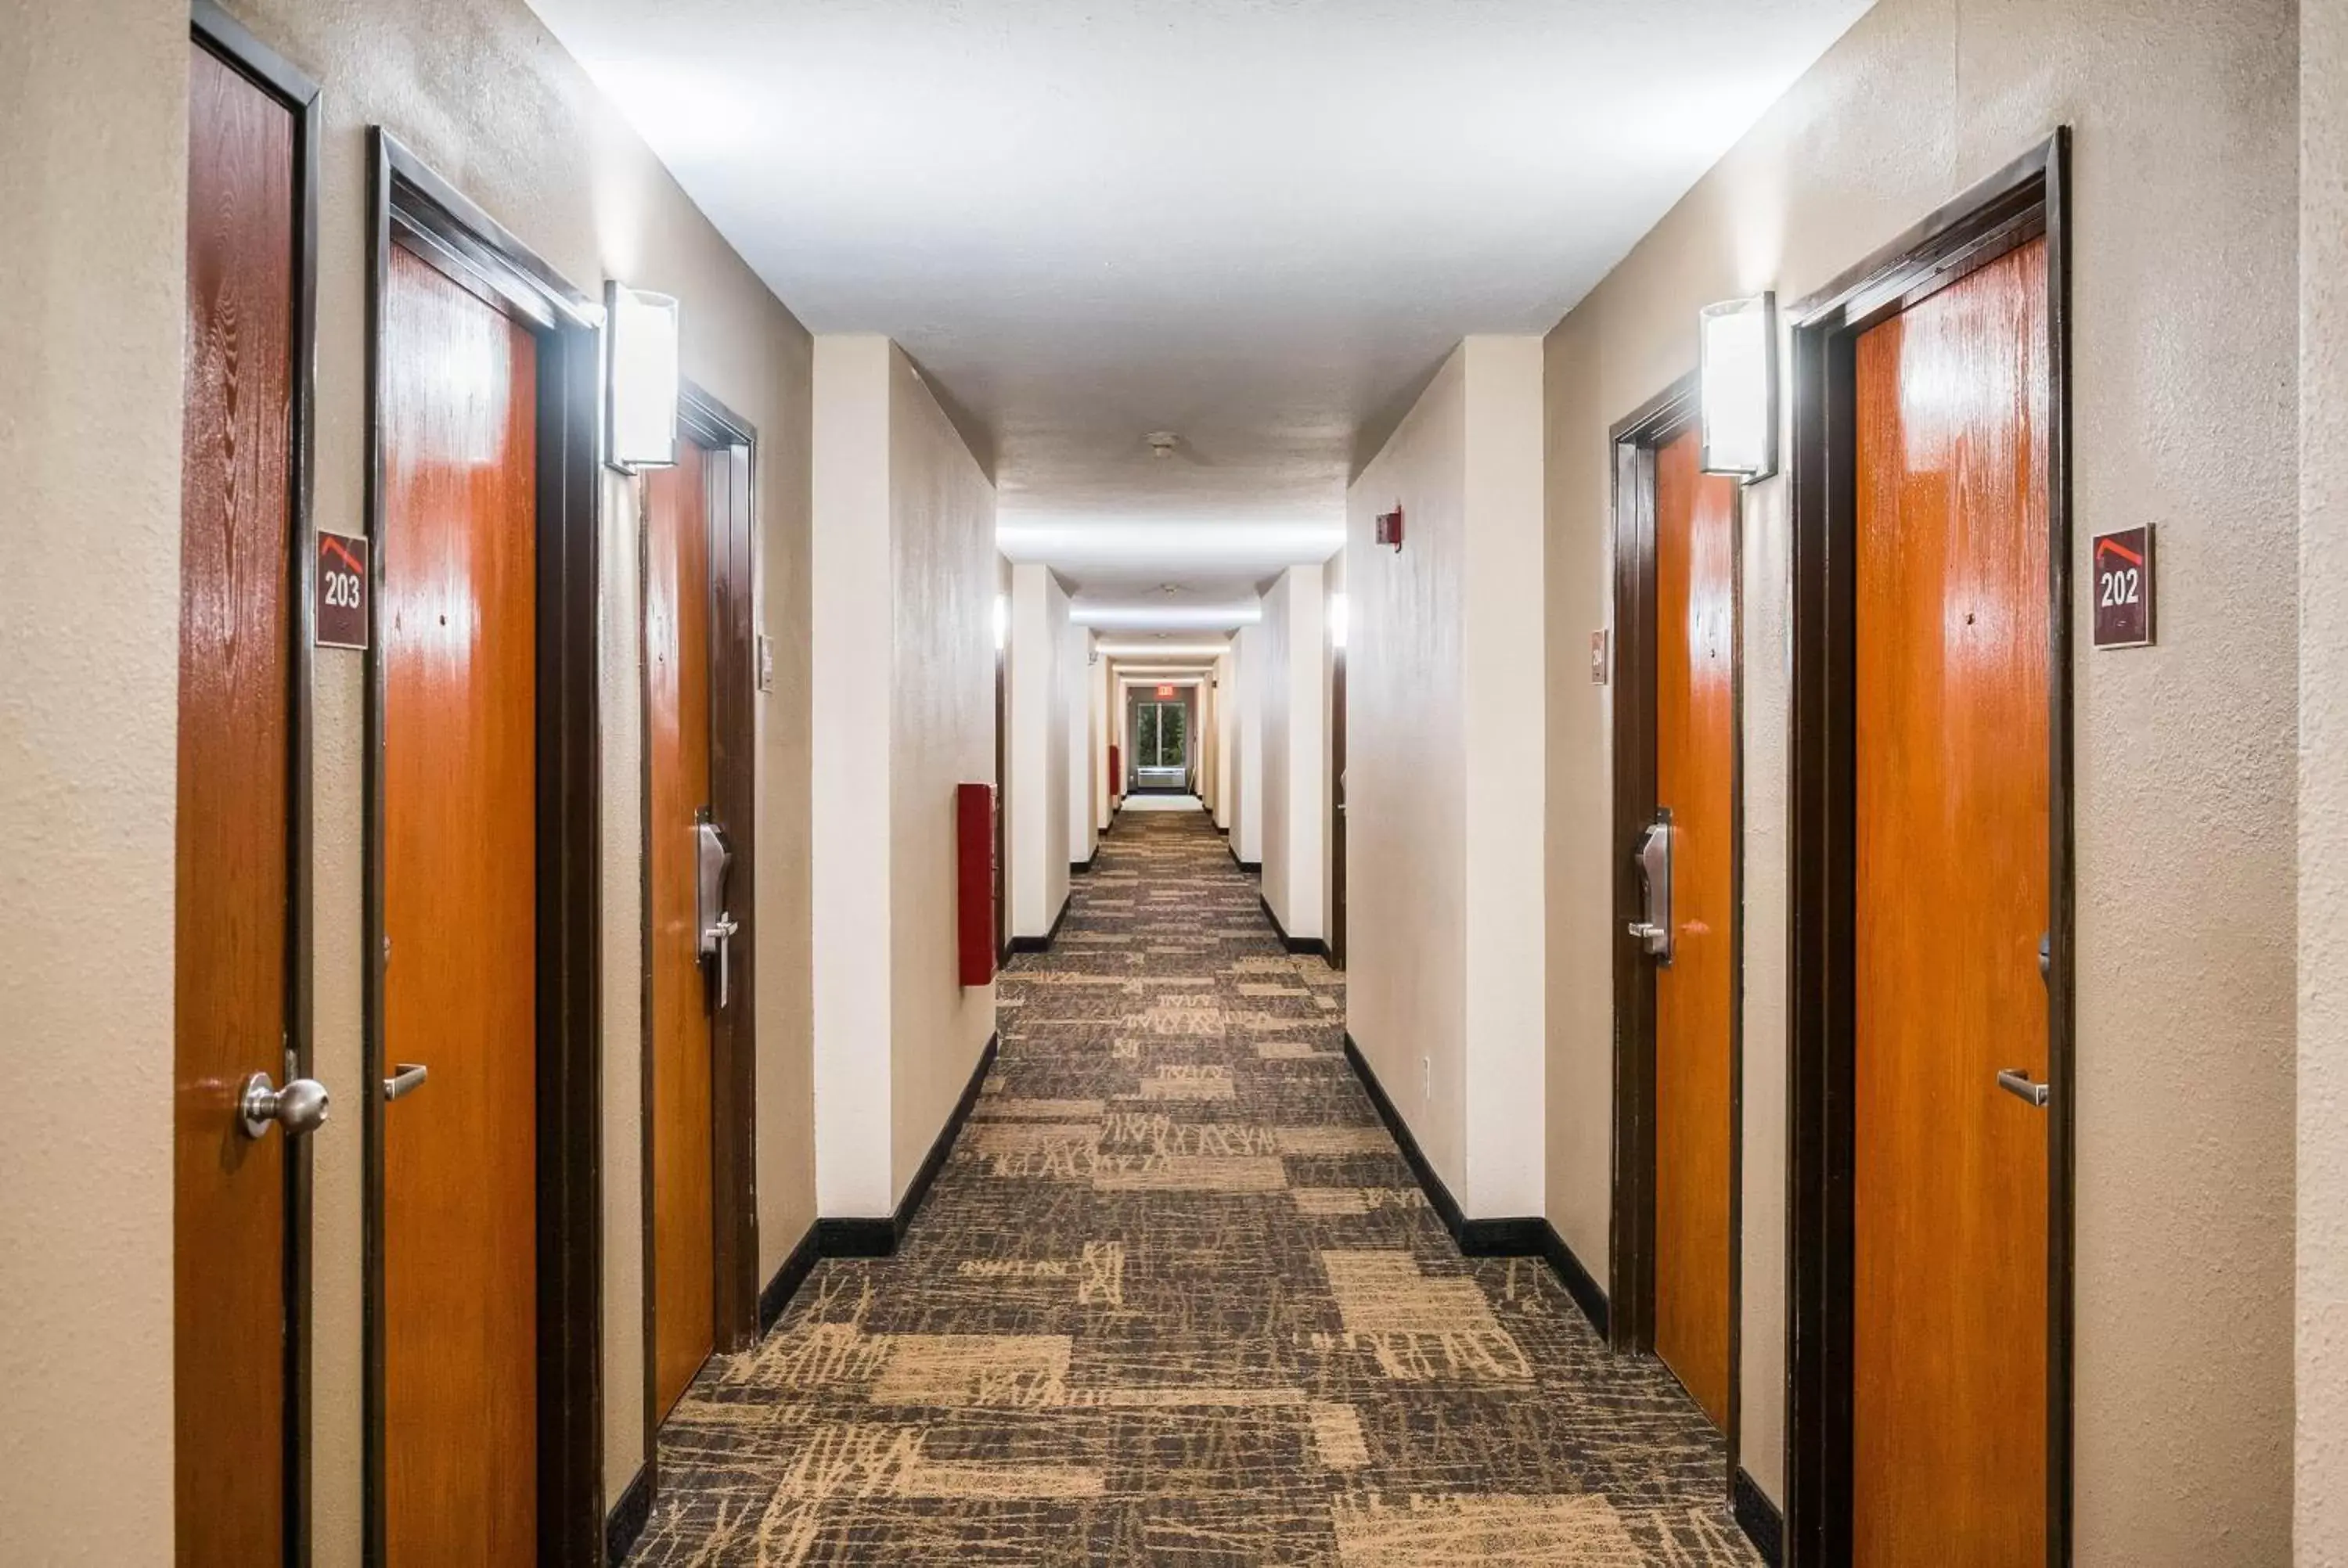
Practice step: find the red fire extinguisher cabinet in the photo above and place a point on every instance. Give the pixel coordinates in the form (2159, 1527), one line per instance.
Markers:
(974, 861)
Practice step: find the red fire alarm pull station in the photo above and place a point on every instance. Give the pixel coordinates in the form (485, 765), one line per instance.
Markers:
(975, 885)
(1390, 526)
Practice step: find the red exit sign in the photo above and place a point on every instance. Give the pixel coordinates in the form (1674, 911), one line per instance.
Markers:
(1165, 690)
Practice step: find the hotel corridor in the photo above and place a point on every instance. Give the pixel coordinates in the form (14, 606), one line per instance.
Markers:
(1176, 1299)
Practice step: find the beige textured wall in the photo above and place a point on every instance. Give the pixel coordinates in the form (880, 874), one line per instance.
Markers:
(2321, 1535)
(1226, 718)
(1334, 604)
(1407, 887)
(854, 632)
(2184, 311)
(90, 615)
(1035, 796)
(1104, 732)
(1443, 773)
(941, 532)
(1249, 663)
(1295, 759)
(477, 90)
(1503, 629)
(1077, 743)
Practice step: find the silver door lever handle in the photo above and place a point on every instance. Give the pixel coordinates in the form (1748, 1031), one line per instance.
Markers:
(719, 940)
(2015, 1081)
(406, 1078)
(1653, 928)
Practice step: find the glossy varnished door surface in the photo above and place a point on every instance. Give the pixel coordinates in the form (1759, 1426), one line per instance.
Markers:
(236, 616)
(677, 745)
(456, 610)
(1695, 602)
(1949, 1201)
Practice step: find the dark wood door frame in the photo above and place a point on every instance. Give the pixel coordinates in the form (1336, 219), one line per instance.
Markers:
(229, 42)
(1631, 1309)
(732, 443)
(413, 207)
(2027, 198)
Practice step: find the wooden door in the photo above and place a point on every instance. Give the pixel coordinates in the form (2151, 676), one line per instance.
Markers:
(1695, 762)
(233, 910)
(1337, 823)
(1949, 1201)
(679, 793)
(457, 614)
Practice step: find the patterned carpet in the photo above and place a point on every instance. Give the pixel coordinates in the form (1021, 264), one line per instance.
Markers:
(1175, 1299)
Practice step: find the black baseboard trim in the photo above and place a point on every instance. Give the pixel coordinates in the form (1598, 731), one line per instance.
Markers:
(629, 1515)
(1078, 867)
(788, 1278)
(1522, 1235)
(1527, 1236)
(1042, 944)
(1307, 945)
(1758, 1518)
(1447, 1207)
(918, 1188)
(856, 1238)
(881, 1237)
(1579, 1282)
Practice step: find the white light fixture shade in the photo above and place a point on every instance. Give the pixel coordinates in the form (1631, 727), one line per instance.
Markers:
(1002, 622)
(1738, 345)
(640, 378)
(1337, 616)
(1165, 650)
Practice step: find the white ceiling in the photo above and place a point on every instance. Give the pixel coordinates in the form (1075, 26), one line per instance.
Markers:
(1256, 223)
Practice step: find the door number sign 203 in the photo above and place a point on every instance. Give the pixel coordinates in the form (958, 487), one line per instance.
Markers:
(342, 591)
(2123, 579)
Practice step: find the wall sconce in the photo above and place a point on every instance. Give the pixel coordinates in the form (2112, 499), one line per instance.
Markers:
(1389, 528)
(1738, 348)
(640, 378)
(1337, 621)
(1002, 622)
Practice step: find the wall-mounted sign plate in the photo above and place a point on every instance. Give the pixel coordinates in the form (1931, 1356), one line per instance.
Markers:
(342, 607)
(2122, 579)
(1598, 658)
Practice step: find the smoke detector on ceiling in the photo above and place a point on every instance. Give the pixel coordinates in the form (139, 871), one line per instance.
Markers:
(1163, 443)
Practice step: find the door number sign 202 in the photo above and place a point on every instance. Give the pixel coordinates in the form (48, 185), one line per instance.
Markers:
(342, 578)
(2123, 576)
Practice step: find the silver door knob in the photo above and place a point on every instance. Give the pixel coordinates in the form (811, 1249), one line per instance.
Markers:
(300, 1107)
